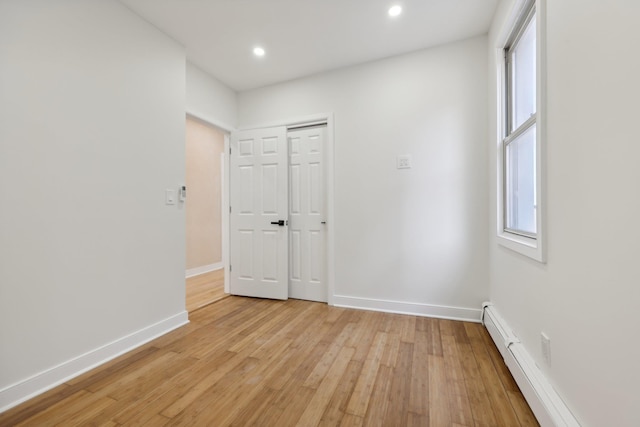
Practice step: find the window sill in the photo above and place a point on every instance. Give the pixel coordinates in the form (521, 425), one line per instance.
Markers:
(531, 248)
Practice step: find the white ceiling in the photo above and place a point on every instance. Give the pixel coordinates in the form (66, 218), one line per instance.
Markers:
(304, 37)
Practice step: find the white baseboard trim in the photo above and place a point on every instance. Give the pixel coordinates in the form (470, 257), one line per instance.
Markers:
(546, 404)
(204, 269)
(415, 309)
(24, 390)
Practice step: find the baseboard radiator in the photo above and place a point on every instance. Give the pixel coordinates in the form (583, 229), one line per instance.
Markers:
(546, 404)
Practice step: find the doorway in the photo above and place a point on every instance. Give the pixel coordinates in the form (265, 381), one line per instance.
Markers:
(280, 205)
(204, 203)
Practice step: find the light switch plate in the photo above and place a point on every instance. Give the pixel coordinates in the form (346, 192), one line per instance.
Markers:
(403, 161)
(170, 196)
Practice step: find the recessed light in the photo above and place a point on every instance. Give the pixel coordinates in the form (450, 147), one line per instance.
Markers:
(258, 51)
(395, 10)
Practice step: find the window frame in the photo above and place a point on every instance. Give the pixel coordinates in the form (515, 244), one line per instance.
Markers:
(530, 245)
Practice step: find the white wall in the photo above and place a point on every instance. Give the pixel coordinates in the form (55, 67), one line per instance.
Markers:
(209, 99)
(92, 132)
(417, 236)
(586, 297)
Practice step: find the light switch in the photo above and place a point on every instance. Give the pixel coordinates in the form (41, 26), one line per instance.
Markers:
(170, 196)
(403, 162)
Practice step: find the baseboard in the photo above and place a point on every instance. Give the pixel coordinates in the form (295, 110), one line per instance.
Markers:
(204, 269)
(416, 309)
(24, 390)
(546, 404)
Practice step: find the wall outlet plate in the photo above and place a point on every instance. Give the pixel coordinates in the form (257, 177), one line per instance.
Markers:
(545, 343)
(403, 161)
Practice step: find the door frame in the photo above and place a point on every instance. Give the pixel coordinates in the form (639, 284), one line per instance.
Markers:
(227, 129)
(329, 188)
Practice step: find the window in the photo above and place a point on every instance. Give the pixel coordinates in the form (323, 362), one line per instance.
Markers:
(520, 222)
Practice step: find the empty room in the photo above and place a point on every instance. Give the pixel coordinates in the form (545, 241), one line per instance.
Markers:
(284, 212)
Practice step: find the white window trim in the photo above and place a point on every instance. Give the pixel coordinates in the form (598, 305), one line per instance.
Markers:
(530, 247)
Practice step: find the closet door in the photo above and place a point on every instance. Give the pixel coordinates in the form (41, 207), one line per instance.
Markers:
(307, 214)
(258, 218)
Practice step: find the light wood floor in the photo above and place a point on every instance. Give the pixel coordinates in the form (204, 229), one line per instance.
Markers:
(205, 289)
(252, 362)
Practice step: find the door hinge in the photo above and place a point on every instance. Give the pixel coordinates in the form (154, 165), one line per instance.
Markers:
(229, 209)
(230, 268)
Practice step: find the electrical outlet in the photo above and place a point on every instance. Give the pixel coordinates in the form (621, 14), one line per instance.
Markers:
(545, 342)
(403, 162)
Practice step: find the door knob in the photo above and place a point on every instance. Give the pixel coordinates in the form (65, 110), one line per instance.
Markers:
(280, 223)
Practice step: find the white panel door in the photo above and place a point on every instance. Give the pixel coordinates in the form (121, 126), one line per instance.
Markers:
(307, 214)
(258, 200)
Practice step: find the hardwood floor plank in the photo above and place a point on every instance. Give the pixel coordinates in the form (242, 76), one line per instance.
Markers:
(204, 289)
(267, 321)
(446, 327)
(417, 420)
(140, 411)
(439, 408)
(249, 389)
(316, 407)
(312, 345)
(400, 392)
(458, 399)
(200, 406)
(364, 336)
(408, 329)
(36, 405)
(291, 413)
(359, 401)
(379, 401)
(334, 313)
(252, 414)
(223, 401)
(502, 409)
(306, 315)
(476, 391)
(351, 421)
(200, 318)
(522, 409)
(433, 331)
(113, 366)
(61, 410)
(244, 361)
(142, 388)
(337, 406)
(322, 367)
(147, 377)
(203, 384)
(391, 349)
(300, 365)
(419, 396)
(244, 315)
(155, 421)
(88, 412)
